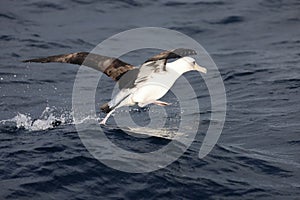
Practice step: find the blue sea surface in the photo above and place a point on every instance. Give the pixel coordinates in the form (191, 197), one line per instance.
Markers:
(256, 46)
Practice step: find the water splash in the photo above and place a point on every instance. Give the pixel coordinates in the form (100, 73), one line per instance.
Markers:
(49, 118)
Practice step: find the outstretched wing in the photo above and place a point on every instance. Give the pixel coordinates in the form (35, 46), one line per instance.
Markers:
(112, 67)
(115, 68)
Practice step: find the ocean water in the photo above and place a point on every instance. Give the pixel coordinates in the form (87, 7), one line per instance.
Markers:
(255, 45)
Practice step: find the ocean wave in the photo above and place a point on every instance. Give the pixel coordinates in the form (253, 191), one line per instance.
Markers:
(9, 16)
(47, 5)
(228, 20)
(186, 3)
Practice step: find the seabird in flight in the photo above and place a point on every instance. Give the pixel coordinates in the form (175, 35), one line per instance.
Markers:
(138, 85)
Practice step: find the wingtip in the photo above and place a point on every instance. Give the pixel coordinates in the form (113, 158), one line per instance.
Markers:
(37, 60)
(184, 52)
(31, 60)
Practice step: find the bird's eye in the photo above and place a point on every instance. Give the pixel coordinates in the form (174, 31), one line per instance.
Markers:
(194, 62)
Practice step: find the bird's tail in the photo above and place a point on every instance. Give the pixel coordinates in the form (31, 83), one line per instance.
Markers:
(116, 104)
(105, 108)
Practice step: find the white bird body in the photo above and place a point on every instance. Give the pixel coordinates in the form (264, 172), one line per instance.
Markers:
(153, 86)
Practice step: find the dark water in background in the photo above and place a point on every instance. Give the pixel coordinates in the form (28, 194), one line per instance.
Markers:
(256, 45)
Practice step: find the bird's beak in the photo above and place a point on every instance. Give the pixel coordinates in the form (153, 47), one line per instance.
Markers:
(200, 69)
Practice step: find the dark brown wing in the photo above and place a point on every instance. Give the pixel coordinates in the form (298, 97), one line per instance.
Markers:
(112, 67)
(175, 53)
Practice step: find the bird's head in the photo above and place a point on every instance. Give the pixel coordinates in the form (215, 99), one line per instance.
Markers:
(186, 64)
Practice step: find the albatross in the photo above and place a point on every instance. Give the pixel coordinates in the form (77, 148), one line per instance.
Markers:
(140, 86)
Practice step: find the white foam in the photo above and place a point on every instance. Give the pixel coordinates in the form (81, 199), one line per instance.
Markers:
(45, 121)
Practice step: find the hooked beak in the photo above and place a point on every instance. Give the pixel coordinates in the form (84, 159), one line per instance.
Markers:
(200, 69)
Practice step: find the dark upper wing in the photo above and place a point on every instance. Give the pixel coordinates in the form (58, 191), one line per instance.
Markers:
(112, 67)
(175, 53)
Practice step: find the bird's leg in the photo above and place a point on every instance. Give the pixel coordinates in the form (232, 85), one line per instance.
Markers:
(161, 103)
(107, 116)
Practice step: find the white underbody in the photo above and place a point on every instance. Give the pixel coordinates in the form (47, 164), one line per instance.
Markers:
(147, 92)
(149, 88)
